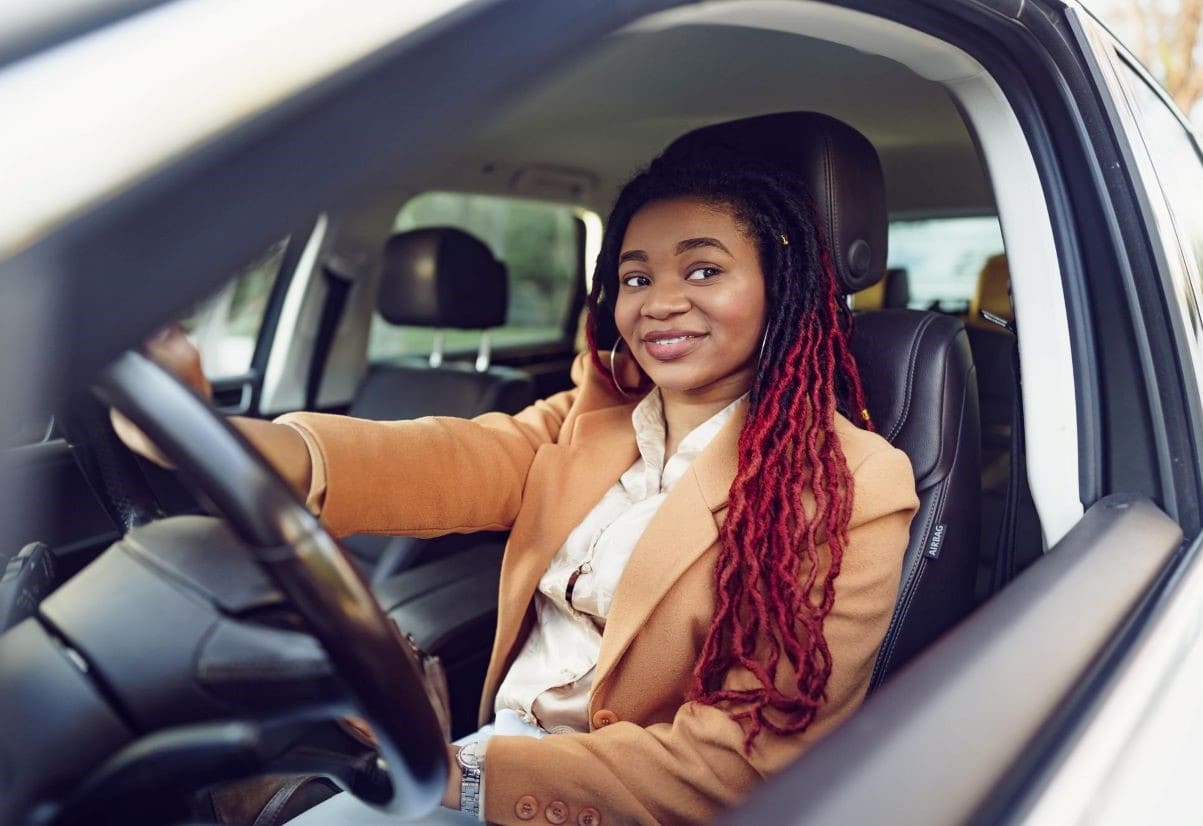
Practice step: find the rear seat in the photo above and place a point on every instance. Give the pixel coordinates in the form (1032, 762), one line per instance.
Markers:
(437, 277)
(992, 347)
(891, 292)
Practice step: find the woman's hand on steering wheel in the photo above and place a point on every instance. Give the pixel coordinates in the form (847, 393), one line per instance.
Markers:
(170, 349)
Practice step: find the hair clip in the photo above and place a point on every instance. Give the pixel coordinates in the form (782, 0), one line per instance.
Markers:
(864, 413)
(784, 241)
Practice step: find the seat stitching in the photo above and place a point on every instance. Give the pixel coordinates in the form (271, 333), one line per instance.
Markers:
(832, 212)
(912, 360)
(916, 574)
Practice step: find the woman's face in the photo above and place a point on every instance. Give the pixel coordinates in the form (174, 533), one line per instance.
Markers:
(691, 298)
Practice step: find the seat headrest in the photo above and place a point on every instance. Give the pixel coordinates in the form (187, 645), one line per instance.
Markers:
(442, 277)
(841, 172)
(993, 293)
(891, 292)
(898, 288)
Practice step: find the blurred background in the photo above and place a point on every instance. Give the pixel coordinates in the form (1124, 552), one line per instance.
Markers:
(1164, 35)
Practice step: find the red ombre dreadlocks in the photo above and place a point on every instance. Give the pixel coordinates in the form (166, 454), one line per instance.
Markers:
(783, 539)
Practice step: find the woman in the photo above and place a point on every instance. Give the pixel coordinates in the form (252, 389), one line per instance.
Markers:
(704, 550)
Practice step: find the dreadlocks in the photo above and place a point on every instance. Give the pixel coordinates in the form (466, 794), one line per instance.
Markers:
(792, 491)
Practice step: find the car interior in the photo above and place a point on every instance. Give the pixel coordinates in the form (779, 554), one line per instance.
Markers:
(460, 291)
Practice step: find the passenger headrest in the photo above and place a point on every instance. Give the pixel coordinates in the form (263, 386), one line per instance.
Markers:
(993, 292)
(891, 292)
(442, 277)
(841, 171)
(898, 288)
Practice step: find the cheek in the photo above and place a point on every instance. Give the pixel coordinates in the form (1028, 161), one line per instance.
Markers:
(744, 316)
(625, 314)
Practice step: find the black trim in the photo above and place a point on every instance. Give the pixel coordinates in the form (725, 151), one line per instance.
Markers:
(1160, 336)
(578, 298)
(338, 287)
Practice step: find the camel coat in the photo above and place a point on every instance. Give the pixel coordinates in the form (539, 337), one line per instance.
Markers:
(649, 757)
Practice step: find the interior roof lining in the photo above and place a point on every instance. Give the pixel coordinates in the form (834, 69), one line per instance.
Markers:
(923, 54)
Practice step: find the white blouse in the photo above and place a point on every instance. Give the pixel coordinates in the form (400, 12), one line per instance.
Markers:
(549, 681)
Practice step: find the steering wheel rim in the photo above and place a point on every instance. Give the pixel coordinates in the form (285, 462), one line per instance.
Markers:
(306, 563)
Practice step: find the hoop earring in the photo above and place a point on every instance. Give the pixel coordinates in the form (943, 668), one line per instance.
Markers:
(613, 373)
(763, 339)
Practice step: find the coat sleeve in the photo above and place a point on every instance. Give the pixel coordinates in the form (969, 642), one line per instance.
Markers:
(424, 477)
(689, 769)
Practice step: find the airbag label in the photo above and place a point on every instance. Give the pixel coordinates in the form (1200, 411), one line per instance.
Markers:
(937, 540)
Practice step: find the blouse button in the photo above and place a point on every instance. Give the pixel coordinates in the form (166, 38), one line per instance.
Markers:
(589, 816)
(526, 808)
(556, 812)
(604, 718)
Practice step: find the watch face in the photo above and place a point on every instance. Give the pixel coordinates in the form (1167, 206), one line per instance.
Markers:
(469, 757)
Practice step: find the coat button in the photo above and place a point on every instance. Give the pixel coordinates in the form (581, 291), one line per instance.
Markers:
(556, 812)
(604, 718)
(526, 808)
(589, 816)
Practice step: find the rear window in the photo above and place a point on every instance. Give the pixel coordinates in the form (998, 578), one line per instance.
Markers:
(541, 246)
(942, 258)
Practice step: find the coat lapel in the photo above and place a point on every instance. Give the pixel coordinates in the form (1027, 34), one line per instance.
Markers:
(682, 530)
(572, 479)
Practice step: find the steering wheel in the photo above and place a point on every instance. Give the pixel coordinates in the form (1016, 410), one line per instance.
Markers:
(306, 564)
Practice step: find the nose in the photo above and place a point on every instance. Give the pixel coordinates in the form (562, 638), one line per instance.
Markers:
(666, 297)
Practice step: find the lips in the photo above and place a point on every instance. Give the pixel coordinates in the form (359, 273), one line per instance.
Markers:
(670, 345)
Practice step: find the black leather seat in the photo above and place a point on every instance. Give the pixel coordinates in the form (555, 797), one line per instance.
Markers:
(921, 388)
(437, 277)
(916, 368)
(441, 277)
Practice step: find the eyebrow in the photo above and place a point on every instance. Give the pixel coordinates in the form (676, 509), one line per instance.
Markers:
(684, 246)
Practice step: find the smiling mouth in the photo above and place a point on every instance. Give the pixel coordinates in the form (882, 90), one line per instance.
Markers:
(670, 348)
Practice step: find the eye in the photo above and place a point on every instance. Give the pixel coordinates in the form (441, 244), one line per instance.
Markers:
(634, 279)
(702, 273)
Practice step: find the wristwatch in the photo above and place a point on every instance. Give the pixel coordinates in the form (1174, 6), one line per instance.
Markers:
(471, 759)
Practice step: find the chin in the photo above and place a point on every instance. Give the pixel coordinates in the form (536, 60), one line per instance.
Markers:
(674, 379)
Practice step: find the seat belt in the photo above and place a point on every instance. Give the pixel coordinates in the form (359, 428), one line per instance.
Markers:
(339, 279)
(1004, 546)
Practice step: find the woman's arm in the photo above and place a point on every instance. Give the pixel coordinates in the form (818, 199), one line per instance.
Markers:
(282, 446)
(423, 477)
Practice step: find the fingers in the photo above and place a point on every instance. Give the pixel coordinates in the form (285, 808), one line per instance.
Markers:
(171, 350)
(136, 440)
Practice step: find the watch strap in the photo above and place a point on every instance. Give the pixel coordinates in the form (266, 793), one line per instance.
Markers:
(469, 785)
